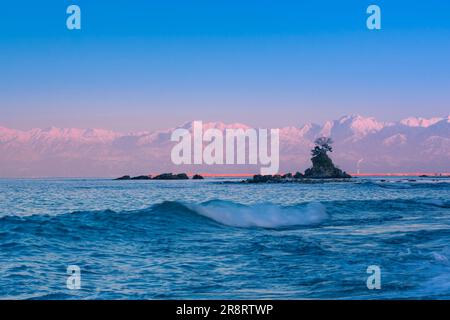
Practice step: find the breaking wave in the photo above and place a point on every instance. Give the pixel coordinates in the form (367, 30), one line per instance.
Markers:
(261, 215)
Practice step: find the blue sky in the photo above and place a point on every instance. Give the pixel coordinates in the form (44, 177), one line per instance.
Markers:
(145, 65)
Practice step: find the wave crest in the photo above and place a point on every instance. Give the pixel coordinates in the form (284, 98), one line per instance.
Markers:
(261, 215)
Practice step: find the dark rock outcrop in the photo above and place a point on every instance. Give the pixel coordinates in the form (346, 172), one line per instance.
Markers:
(269, 178)
(323, 168)
(260, 178)
(298, 175)
(171, 176)
(197, 177)
(142, 178)
(123, 178)
(164, 176)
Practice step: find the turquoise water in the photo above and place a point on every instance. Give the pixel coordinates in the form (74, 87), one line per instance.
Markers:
(211, 239)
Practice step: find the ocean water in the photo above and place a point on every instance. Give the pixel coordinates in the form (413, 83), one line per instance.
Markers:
(213, 239)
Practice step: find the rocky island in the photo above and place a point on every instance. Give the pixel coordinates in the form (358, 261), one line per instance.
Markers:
(322, 168)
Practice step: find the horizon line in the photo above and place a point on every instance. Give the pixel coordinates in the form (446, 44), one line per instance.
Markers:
(246, 175)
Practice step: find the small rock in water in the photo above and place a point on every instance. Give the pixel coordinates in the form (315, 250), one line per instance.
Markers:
(123, 178)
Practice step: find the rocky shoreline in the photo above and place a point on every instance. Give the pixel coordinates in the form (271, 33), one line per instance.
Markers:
(163, 176)
(288, 178)
(322, 170)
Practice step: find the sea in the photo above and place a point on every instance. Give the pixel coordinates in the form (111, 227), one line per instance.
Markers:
(221, 239)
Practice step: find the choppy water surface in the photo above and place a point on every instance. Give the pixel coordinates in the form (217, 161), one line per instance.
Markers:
(208, 239)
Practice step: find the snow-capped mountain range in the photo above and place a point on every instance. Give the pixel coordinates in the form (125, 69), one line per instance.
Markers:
(361, 144)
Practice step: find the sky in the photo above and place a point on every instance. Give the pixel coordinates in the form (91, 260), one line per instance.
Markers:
(148, 65)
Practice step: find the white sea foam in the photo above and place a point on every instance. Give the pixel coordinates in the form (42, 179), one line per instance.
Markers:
(263, 215)
(439, 257)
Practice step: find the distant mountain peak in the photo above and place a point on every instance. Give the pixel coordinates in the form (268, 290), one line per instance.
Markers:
(351, 118)
(355, 124)
(420, 122)
(215, 125)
